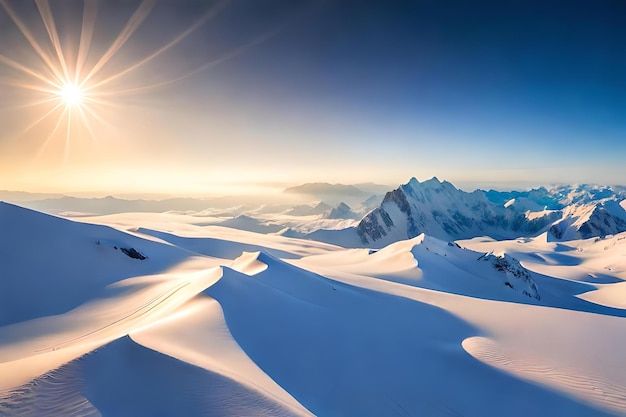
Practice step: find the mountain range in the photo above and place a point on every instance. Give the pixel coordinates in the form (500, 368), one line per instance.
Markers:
(434, 207)
(441, 210)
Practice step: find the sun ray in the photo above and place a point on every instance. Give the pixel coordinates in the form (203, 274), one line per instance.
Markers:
(69, 88)
(209, 15)
(16, 65)
(151, 87)
(31, 39)
(52, 134)
(48, 20)
(213, 63)
(87, 124)
(28, 86)
(30, 104)
(238, 51)
(131, 26)
(92, 99)
(66, 149)
(97, 117)
(41, 119)
(90, 11)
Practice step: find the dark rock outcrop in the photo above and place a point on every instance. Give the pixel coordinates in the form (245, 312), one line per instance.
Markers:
(133, 253)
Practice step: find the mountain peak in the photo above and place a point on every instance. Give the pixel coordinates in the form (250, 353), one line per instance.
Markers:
(441, 210)
(342, 211)
(445, 212)
(413, 182)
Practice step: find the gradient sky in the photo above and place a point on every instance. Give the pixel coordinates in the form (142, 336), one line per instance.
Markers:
(274, 93)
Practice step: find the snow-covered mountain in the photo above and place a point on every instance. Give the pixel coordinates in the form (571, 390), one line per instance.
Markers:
(586, 210)
(557, 197)
(342, 211)
(441, 210)
(595, 219)
(306, 210)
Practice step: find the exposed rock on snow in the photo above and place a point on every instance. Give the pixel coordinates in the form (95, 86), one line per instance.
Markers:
(134, 253)
(517, 277)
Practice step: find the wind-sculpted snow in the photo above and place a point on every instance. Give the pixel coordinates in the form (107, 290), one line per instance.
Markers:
(51, 265)
(594, 389)
(427, 262)
(363, 353)
(218, 321)
(100, 384)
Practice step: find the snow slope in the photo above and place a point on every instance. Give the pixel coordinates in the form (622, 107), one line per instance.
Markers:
(218, 321)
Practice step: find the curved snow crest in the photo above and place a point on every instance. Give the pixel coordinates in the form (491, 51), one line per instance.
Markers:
(249, 263)
(281, 277)
(428, 262)
(198, 335)
(596, 390)
(126, 378)
(333, 339)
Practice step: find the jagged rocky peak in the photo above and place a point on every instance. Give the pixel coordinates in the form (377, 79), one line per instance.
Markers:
(397, 196)
(590, 220)
(419, 191)
(342, 211)
(441, 210)
(445, 212)
(515, 275)
(433, 184)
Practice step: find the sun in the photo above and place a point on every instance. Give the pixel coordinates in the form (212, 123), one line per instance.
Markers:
(71, 95)
(75, 85)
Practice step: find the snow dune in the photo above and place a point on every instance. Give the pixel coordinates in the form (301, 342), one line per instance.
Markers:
(198, 335)
(105, 382)
(595, 389)
(218, 321)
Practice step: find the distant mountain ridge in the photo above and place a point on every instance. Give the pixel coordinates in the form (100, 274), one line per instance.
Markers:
(441, 210)
(110, 205)
(365, 189)
(323, 188)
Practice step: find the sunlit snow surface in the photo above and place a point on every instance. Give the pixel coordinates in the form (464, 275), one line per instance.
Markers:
(219, 321)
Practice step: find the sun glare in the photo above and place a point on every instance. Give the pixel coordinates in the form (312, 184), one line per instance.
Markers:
(71, 95)
(73, 83)
(73, 88)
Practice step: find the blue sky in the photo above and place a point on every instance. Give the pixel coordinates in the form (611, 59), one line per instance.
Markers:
(497, 92)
